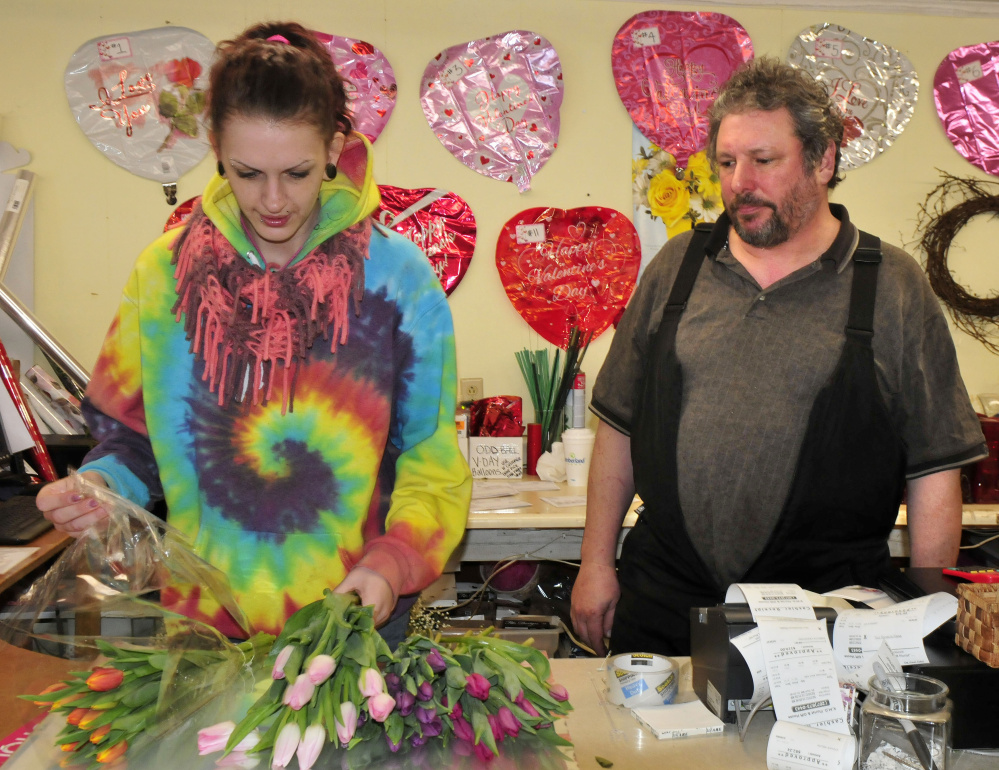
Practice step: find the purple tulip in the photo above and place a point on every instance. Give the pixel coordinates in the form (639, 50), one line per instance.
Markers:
(380, 706)
(392, 744)
(285, 745)
(370, 683)
(299, 693)
(425, 691)
(418, 740)
(346, 726)
(522, 701)
(558, 692)
(509, 722)
(425, 715)
(320, 669)
(477, 686)
(392, 683)
(405, 701)
(462, 729)
(282, 659)
(436, 661)
(434, 727)
(310, 746)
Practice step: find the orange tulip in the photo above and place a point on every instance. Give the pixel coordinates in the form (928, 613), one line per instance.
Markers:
(51, 688)
(87, 719)
(100, 733)
(75, 716)
(70, 746)
(111, 753)
(63, 702)
(104, 679)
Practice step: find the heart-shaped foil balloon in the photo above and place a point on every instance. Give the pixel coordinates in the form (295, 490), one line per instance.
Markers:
(563, 268)
(179, 216)
(437, 221)
(494, 104)
(668, 68)
(873, 84)
(140, 98)
(966, 92)
(368, 79)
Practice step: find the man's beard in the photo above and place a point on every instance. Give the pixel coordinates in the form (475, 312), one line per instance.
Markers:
(785, 221)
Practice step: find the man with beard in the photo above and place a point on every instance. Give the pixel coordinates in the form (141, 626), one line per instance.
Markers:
(776, 383)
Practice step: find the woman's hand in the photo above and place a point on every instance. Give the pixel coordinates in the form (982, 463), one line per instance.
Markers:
(70, 511)
(373, 589)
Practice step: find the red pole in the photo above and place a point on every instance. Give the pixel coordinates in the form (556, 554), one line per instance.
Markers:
(42, 461)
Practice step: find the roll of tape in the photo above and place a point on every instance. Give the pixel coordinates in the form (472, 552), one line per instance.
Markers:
(641, 679)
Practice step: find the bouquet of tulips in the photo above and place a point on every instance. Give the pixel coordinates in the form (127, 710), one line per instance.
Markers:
(138, 693)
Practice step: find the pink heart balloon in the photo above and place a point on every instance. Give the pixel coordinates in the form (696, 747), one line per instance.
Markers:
(668, 68)
(494, 104)
(563, 268)
(437, 221)
(966, 92)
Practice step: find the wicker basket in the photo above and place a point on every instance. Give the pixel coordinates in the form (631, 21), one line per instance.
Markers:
(978, 621)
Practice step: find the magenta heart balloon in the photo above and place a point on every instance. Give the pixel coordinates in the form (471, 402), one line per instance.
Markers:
(668, 67)
(494, 104)
(966, 92)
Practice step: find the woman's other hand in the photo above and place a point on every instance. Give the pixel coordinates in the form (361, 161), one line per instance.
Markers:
(69, 510)
(373, 589)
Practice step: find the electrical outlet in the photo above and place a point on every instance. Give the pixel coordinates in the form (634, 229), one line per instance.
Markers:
(471, 389)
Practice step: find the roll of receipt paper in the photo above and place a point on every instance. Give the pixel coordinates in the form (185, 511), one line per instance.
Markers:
(641, 679)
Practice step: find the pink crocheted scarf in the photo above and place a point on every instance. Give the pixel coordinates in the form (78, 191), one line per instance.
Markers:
(251, 325)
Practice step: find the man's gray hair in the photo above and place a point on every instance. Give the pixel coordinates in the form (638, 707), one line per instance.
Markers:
(768, 84)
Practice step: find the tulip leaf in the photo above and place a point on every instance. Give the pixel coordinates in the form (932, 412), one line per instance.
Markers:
(296, 623)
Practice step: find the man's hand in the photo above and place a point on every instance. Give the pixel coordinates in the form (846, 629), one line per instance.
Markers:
(67, 509)
(373, 589)
(594, 597)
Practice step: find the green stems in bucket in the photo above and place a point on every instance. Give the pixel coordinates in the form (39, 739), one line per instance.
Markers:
(549, 386)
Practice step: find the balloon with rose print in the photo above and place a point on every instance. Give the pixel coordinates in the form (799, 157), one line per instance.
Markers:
(568, 267)
(140, 98)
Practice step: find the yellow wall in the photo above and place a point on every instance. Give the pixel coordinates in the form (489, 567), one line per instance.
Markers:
(92, 217)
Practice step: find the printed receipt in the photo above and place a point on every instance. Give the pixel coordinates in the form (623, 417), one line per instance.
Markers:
(794, 746)
(775, 600)
(859, 634)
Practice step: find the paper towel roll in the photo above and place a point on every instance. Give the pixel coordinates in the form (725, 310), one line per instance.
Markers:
(641, 679)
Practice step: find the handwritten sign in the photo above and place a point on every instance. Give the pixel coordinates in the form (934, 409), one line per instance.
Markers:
(496, 457)
(581, 271)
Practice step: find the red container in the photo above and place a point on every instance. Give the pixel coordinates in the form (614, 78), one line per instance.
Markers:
(985, 483)
(533, 447)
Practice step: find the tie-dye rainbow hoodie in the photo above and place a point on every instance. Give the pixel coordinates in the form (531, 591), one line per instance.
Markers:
(364, 471)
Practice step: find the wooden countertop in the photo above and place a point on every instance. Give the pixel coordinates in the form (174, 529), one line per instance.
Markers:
(47, 545)
(23, 672)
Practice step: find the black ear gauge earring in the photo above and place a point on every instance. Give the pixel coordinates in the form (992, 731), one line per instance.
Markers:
(221, 169)
(331, 171)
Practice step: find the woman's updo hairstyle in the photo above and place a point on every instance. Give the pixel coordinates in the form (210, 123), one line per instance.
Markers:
(293, 81)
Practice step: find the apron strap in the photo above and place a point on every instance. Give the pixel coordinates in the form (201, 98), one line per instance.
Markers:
(866, 260)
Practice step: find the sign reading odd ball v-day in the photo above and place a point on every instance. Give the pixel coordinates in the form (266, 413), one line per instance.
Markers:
(494, 104)
(563, 268)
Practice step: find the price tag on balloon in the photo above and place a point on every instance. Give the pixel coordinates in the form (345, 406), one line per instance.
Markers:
(438, 221)
(140, 99)
(872, 83)
(668, 68)
(494, 104)
(563, 268)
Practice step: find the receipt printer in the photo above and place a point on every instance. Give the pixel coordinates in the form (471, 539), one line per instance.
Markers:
(721, 676)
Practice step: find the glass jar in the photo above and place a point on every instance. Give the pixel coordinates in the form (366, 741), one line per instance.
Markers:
(905, 722)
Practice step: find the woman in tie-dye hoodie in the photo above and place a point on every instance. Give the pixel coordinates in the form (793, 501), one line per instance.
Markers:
(280, 370)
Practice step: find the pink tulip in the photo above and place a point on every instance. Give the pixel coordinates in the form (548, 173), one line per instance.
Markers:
(496, 727)
(320, 669)
(508, 721)
(214, 738)
(282, 659)
(380, 706)
(310, 746)
(483, 752)
(370, 683)
(558, 692)
(347, 724)
(477, 686)
(285, 745)
(462, 729)
(522, 701)
(299, 693)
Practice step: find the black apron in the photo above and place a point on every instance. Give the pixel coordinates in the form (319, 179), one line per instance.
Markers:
(843, 499)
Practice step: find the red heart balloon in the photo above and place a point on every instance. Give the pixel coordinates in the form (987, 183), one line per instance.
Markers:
(437, 221)
(563, 268)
